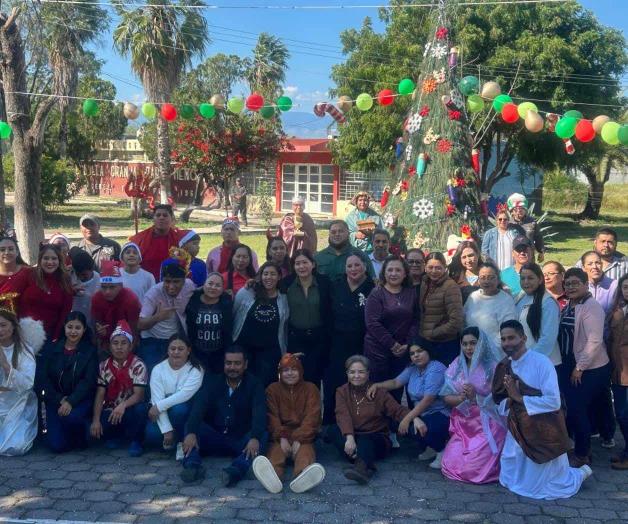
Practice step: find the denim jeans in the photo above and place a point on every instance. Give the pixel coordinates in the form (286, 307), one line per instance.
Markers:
(178, 416)
(437, 432)
(620, 399)
(67, 433)
(369, 446)
(152, 351)
(131, 426)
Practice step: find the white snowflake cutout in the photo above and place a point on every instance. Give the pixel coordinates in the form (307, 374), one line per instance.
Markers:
(456, 98)
(439, 51)
(414, 123)
(389, 219)
(439, 76)
(423, 208)
(408, 152)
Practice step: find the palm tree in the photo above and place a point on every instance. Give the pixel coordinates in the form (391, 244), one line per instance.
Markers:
(161, 39)
(266, 71)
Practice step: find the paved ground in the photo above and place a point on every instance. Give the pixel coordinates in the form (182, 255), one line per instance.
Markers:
(103, 485)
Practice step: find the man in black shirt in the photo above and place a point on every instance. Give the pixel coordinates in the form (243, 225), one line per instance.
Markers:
(228, 416)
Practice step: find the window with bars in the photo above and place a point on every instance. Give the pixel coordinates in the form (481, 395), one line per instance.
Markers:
(353, 181)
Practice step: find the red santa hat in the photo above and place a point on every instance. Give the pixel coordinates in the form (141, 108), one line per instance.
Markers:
(123, 329)
(110, 272)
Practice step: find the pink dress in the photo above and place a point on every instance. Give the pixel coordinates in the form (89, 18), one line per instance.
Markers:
(477, 433)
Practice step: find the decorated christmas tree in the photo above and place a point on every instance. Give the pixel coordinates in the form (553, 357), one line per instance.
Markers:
(434, 191)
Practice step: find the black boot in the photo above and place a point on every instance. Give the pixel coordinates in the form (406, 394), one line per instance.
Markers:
(359, 472)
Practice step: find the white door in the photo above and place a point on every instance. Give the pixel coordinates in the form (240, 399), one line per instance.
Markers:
(313, 182)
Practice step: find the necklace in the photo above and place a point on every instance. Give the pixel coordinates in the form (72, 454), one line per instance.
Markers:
(358, 402)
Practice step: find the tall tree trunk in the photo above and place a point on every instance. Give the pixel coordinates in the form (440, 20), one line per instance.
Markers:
(63, 130)
(3, 203)
(163, 159)
(594, 200)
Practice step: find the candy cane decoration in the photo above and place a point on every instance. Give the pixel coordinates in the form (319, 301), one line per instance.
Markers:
(325, 107)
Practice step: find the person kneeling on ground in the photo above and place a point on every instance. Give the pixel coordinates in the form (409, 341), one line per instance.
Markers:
(294, 419)
(228, 417)
(119, 408)
(361, 432)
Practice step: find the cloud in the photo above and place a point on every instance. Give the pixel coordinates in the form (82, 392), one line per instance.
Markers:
(290, 91)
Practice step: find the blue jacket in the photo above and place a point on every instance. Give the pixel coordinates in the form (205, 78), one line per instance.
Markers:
(489, 241)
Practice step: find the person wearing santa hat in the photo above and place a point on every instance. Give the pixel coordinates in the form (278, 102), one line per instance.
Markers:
(134, 277)
(218, 258)
(518, 209)
(191, 242)
(119, 407)
(294, 420)
(112, 303)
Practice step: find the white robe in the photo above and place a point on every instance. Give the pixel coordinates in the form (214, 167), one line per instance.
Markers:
(554, 479)
(18, 405)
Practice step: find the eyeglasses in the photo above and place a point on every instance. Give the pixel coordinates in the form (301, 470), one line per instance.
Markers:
(502, 220)
(572, 284)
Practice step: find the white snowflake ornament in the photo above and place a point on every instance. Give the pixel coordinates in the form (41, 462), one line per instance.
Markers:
(456, 98)
(439, 75)
(423, 208)
(409, 152)
(389, 219)
(414, 123)
(439, 51)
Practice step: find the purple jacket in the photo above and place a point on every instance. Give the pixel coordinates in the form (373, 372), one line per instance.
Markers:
(389, 318)
(604, 292)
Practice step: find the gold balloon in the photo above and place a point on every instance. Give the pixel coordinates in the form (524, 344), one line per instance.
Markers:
(491, 90)
(599, 121)
(344, 103)
(218, 101)
(130, 111)
(534, 122)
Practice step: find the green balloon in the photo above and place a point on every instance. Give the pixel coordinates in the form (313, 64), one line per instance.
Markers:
(149, 110)
(207, 110)
(235, 105)
(187, 111)
(475, 103)
(364, 102)
(500, 101)
(406, 86)
(90, 107)
(5, 130)
(524, 107)
(267, 111)
(622, 135)
(610, 133)
(574, 114)
(284, 103)
(566, 127)
(469, 85)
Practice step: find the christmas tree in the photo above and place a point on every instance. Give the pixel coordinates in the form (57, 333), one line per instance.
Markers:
(435, 189)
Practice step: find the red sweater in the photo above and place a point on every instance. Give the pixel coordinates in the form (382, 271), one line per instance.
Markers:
(16, 283)
(50, 306)
(126, 306)
(155, 248)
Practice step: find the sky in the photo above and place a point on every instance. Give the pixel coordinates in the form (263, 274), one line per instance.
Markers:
(313, 39)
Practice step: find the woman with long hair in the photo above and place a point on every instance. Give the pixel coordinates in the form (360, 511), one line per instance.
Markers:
(68, 385)
(464, 267)
(19, 342)
(14, 272)
(260, 314)
(240, 269)
(538, 313)
(442, 316)
(277, 252)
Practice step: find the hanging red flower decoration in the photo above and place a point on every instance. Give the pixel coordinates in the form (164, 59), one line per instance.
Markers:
(442, 33)
(411, 171)
(451, 209)
(404, 185)
(425, 111)
(454, 114)
(460, 182)
(502, 207)
(465, 231)
(443, 146)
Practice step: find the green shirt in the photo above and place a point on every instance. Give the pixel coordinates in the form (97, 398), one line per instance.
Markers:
(333, 265)
(305, 312)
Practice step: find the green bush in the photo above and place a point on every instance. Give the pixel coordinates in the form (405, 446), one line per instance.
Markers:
(563, 191)
(265, 202)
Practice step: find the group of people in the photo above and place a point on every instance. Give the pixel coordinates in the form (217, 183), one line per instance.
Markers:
(501, 361)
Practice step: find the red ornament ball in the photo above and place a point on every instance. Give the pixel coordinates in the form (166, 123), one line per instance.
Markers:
(510, 113)
(168, 112)
(255, 102)
(585, 131)
(385, 97)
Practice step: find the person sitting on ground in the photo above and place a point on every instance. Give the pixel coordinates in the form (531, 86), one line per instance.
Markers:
(173, 383)
(534, 459)
(68, 384)
(191, 242)
(163, 309)
(522, 253)
(362, 222)
(85, 282)
(477, 432)
(240, 269)
(111, 304)
(619, 372)
(428, 420)
(361, 430)
(219, 257)
(19, 342)
(381, 249)
(119, 407)
(94, 244)
(228, 416)
(614, 263)
(294, 419)
(518, 209)
(156, 241)
(134, 277)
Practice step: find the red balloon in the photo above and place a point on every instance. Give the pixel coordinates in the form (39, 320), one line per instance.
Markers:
(255, 102)
(168, 112)
(385, 97)
(510, 113)
(585, 131)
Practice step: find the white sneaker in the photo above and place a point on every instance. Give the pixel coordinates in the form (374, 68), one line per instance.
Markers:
(180, 455)
(310, 477)
(436, 463)
(394, 441)
(587, 471)
(428, 454)
(265, 473)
